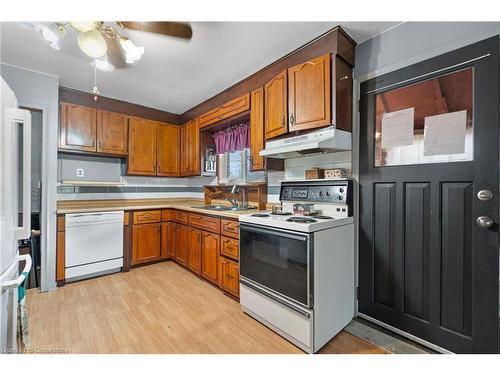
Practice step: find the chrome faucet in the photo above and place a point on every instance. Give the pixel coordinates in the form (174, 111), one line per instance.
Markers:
(234, 202)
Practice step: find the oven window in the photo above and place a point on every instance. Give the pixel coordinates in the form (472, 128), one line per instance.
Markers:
(275, 261)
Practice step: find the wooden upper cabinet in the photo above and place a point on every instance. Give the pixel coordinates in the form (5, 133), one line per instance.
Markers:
(112, 133)
(275, 106)
(225, 111)
(309, 93)
(168, 150)
(194, 148)
(342, 110)
(78, 127)
(257, 129)
(184, 144)
(142, 147)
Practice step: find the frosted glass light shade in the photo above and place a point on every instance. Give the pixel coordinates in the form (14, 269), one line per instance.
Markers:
(92, 43)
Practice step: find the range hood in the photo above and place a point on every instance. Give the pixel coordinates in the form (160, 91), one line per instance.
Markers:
(321, 141)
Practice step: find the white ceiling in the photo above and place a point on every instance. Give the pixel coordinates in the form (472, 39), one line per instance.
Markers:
(174, 75)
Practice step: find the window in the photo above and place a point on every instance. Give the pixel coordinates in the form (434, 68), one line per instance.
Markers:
(426, 122)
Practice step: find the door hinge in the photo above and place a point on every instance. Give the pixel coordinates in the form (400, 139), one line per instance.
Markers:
(357, 292)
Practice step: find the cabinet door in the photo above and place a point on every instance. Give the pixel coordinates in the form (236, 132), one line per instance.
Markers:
(194, 250)
(275, 106)
(210, 245)
(78, 127)
(309, 94)
(112, 133)
(168, 240)
(229, 276)
(194, 148)
(145, 243)
(181, 244)
(184, 142)
(168, 150)
(257, 129)
(142, 147)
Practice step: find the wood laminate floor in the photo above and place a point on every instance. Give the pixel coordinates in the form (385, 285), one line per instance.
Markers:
(161, 308)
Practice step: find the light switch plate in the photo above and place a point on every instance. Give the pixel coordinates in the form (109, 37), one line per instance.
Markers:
(79, 172)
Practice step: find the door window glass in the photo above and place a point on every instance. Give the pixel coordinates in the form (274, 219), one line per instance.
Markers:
(426, 122)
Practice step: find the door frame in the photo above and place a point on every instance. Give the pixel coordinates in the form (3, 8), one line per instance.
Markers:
(357, 81)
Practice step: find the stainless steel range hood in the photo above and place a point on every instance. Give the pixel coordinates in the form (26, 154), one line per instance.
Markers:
(321, 141)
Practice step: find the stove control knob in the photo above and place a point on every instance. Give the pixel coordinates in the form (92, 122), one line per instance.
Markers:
(341, 197)
(341, 190)
(327, 193)
(320, 193)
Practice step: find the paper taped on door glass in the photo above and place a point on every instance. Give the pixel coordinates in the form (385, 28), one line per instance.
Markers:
(397, 128)
(445, 134)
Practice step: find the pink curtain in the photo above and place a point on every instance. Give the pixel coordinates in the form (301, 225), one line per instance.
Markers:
(234, 138)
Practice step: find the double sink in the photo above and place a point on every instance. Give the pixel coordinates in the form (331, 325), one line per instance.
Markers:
(214, 207)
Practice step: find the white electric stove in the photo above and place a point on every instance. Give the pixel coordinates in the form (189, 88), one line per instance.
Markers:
(297, 264)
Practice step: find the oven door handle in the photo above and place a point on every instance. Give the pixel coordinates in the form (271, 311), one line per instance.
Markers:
(269, 295)
(275, 232)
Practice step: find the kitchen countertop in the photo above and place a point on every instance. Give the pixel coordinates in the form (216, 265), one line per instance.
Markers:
(77, 206)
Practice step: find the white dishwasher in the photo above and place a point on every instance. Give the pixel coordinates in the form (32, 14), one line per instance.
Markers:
(94, 244)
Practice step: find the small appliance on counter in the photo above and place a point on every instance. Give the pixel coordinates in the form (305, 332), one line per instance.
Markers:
(297, 270)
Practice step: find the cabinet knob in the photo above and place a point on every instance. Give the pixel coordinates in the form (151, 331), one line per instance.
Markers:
(292, 119)
(283, 120)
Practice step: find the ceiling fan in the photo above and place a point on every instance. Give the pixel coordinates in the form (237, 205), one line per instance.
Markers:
(105, 42)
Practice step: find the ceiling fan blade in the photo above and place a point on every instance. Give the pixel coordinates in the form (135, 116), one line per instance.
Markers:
(115, 53)
(175, 29)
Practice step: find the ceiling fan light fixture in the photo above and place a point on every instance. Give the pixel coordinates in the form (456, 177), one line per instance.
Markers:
(132, 52)
(92, 43)
(51, 33)
(103, 64)
(83, 27)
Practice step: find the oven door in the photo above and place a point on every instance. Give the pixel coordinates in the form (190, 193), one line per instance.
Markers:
(277, 260)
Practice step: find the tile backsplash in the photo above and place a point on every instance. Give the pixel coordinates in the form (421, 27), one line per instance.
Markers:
(162, 187)
(295, 169)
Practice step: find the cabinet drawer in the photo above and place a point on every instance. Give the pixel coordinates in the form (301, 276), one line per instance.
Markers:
(181, 217)
(230, 248)
(210, 224)
(230, 228)
(229, 276)
(168, 215)
(147, 216)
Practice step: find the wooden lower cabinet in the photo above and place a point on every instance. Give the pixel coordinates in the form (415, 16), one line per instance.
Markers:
(229, 276)
(181, 241)
(168, 240)
(194, 250)
(210, 245)
(146, 245)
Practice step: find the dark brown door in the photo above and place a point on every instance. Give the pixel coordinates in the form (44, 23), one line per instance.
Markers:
(181, 244)
(210, 245)
(309, 92)
(142, 147)
(78, 127)
(275, 106)
(194, 250)
(168, 150)
(112, 133)
(145, 243)
(428, 256)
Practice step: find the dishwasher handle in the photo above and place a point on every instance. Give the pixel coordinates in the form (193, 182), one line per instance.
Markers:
(94, 217)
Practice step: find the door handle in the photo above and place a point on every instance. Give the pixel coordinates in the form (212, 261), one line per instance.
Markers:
(484, 195)
(484, 222)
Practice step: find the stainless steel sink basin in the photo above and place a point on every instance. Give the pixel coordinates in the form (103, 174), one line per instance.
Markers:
(214, 207)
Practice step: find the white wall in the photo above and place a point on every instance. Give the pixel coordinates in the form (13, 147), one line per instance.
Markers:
(38, 90)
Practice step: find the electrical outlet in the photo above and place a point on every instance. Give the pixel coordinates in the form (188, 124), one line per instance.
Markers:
(79, 172)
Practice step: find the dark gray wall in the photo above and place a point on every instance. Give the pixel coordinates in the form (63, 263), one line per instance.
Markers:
(415, 41)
